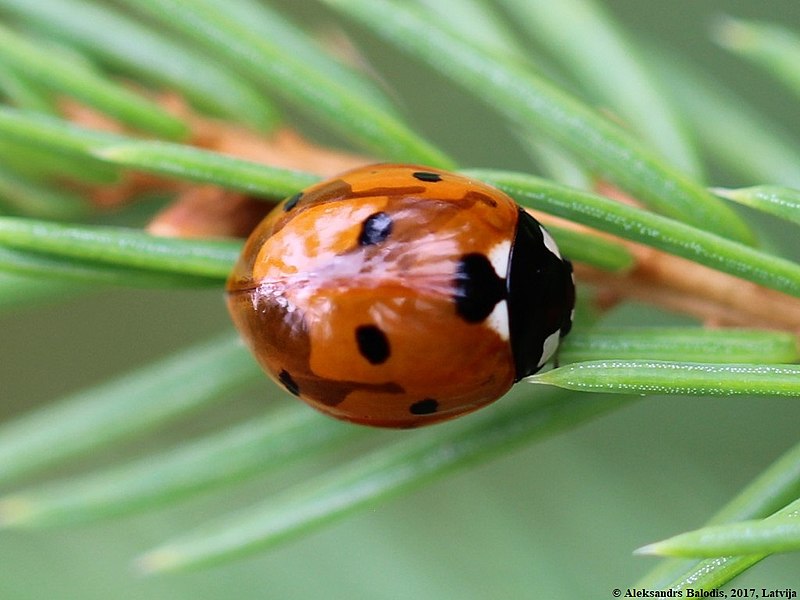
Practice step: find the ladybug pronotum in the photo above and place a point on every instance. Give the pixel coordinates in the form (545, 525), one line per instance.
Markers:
(400, 295)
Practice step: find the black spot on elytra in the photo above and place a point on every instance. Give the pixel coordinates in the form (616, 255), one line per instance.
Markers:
(286, 379)
(478, 287)
(292, 202)
(372, 344)
(427, 406)
(287, 334)
(375, 229)
(426, 176)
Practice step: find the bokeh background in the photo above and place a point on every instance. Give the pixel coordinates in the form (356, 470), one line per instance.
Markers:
(556, 519)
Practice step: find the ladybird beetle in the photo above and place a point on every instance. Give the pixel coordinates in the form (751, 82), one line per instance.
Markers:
(400, 295)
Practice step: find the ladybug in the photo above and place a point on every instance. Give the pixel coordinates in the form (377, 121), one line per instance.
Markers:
(400, 295)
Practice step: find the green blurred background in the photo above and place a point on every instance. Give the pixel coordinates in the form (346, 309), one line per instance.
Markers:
(557, 519)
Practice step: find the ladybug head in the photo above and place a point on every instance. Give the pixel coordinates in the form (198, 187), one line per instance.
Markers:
(541, 296)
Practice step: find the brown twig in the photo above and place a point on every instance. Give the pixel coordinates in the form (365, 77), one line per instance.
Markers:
(676, 284)
(210, 211)
(717, 299)
(205, 210)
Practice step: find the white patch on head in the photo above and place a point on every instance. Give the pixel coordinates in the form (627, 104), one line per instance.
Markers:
(497, 321)
(549, 347)
(549, 242)
(498, 256)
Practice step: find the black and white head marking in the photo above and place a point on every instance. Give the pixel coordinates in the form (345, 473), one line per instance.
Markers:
(541, 296)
